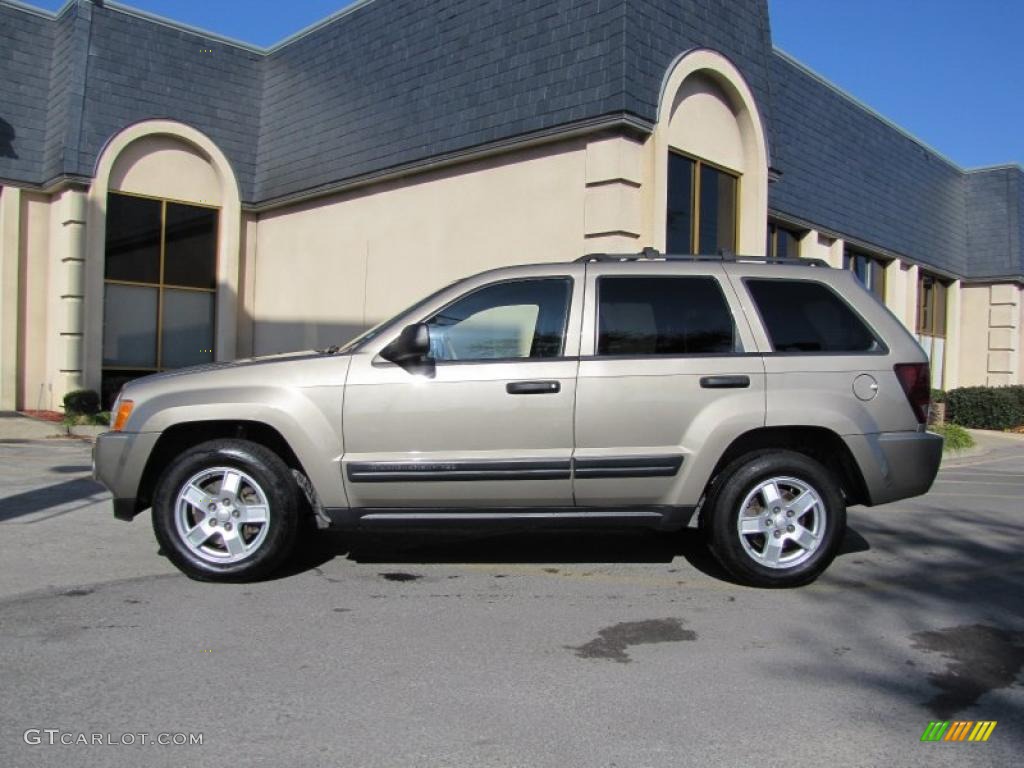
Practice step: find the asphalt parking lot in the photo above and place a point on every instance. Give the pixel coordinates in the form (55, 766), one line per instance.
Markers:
(611, 649)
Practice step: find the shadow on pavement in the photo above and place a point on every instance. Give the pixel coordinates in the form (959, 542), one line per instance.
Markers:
(607, 546)
(40, 499)
(957, 593)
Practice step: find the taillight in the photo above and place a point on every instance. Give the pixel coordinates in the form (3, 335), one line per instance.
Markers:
(916, 380)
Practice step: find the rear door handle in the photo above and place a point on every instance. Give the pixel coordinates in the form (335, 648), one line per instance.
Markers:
(724, 382)
(533, 387)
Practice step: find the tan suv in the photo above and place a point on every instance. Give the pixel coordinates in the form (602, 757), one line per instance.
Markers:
(756, 400)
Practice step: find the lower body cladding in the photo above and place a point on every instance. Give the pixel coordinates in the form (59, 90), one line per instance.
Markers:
(660, 518)
(663, 517)
(896, 465)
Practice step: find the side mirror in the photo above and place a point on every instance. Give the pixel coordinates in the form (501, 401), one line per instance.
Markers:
(411, 350)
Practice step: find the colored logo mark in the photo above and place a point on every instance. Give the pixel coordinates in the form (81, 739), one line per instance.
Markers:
(958, 730)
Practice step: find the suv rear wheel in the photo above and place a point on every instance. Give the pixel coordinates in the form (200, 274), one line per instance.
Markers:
(227, 510)
(776, 519)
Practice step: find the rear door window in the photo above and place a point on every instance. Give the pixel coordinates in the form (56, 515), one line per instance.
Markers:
(808, 316)
(663, 316)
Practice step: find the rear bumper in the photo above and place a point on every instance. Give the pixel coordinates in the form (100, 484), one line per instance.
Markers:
(118, 460)
(896, 465)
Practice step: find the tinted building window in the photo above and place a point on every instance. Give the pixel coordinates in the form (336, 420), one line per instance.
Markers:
(679, 236)
(663, 316)
(868, 270)
(133, 239)
(190, 241)
(701, 207)
(783, 243)
(807, 316)
(931, 305)
(518, 319)
(717, 211)
(160, 287)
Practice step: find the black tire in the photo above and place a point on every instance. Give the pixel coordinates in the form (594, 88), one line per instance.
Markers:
(725, 506)
(270, 548)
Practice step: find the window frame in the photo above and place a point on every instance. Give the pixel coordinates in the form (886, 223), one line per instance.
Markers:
(775, 229)
(160, 286)
(922, 297)
(850, 256)
(881, 347)
(505, 360)
(737, 336)
(695, 205)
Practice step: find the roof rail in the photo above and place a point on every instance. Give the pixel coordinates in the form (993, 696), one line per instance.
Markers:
(652, 254)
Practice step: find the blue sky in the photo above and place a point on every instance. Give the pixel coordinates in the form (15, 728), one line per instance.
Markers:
(951, 72)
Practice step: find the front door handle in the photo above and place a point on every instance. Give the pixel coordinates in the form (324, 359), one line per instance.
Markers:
(724, 382)
(533, 387)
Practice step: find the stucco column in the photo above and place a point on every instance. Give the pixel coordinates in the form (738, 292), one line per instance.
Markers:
(896, 288)
(247, 286)
(909, 316)
(10, 250)
(70, 279)
(613, 201)
(814, 245)
(1003, 334)
(951, 374)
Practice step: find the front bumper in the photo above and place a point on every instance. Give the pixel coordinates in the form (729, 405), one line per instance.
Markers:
(118, 461)
(896, 465)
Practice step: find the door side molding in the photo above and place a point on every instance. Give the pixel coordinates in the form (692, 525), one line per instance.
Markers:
(513, 469)
(627, 466)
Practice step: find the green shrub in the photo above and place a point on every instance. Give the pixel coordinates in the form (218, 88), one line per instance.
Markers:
(938, 396)
(101, 419)
(986, 407)
(1017, 391)
(957, 438)
(82, 401)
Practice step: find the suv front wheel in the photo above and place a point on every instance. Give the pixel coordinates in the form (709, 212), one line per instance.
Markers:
(227, 510)
(775, 519)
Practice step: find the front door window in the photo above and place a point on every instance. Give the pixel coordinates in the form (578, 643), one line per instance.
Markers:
(513, 320)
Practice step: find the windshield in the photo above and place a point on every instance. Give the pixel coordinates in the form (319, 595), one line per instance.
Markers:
(368, 335)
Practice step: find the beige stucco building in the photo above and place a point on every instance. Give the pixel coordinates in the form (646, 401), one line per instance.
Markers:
(140, 235)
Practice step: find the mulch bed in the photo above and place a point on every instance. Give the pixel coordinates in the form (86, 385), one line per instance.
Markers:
(54, 416)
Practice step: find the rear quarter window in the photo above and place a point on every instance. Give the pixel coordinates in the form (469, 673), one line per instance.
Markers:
(807, 316)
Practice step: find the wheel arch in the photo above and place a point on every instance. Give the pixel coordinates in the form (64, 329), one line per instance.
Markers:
(817, 443)
(185, 435)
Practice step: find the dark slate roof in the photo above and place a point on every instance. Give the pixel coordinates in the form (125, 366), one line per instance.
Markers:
(400, 81)
(390, 83)
(846, 169)
(995, 221)
(67, 77)
(138, 69)
(25, 43)
(658, 31)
